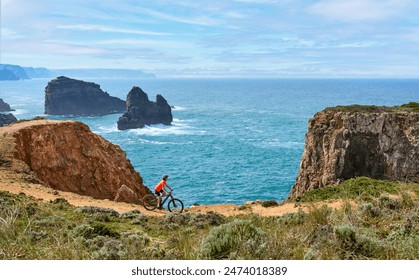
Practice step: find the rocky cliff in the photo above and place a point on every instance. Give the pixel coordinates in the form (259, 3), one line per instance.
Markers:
(67, 156)
(352, 141)
(141, 111)
(65, 96)
(6, 119)
(4, 107)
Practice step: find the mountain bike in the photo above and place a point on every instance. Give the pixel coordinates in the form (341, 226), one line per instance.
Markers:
(174, 204)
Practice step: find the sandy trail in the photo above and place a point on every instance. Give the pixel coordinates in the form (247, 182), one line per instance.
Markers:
(10, 181)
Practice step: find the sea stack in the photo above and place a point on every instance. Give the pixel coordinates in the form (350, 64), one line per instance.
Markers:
(350, 141)
(4, 107)
(141, 111)
(6, 119)
(65, 96)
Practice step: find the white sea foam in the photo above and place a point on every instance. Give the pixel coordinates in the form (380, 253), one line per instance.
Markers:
(179, 108)
(178, 127)
(18, 112)
(275, 143)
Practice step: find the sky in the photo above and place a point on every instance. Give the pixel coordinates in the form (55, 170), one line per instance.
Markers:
(218, 38)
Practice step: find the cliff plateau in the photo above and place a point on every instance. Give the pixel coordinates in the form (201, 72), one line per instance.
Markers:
(65, 96)
(347, 142)
(67, 156)
(141, 111)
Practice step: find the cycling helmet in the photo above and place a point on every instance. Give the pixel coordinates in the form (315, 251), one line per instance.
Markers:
(165, 177)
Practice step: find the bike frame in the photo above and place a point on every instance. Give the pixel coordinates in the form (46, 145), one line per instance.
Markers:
(167, 196)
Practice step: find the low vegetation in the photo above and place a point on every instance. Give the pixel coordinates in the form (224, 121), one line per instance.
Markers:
(356, 108)
(378, 220)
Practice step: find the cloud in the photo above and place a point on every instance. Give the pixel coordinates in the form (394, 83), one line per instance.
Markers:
(100, 28)
(359, 10)
(193, 20)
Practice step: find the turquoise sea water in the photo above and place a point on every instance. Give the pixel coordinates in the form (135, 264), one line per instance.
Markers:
(232, 140)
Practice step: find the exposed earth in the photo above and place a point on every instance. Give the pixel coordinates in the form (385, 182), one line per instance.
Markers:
(15, 183)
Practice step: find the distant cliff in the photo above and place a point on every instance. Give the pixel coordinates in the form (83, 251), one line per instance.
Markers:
(67, 156)
(16, 72)
(6, 119)
(65, 96)
(141, 111)
(350, 141)
(4, 107)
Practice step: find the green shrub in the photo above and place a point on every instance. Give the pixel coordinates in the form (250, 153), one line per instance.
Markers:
(292, 219)
(389, 202)
(235, 240)
(92, 230)
(269, 203)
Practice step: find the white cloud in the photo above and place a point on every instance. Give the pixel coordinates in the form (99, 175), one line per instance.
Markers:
(199, 20)
(359, 10)
(90, 27)
(8, 34)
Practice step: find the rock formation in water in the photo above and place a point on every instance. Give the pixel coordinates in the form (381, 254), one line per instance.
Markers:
(65, 96)
(141, 111)
(4, 107)
(6, 119)
(67, 156)
(350, 141)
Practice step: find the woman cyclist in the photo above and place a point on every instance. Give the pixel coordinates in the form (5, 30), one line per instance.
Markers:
(160, 190)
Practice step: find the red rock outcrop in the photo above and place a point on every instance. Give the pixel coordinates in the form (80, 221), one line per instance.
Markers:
(67, 156)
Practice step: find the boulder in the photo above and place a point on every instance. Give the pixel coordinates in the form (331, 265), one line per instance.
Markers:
(6, 119)
(65, 96)
(141, 111)
(351, 141)
(126, 194)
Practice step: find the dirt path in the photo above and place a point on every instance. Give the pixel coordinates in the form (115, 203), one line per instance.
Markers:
(13, 183)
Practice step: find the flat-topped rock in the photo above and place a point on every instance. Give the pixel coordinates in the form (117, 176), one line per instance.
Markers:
(65, 96)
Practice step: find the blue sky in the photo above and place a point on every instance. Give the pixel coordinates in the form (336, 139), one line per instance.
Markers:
(228, 38)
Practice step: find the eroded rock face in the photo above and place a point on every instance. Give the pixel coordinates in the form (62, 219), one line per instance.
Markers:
(381, 143)
(141, 111)
(65, 96)
(67, 156)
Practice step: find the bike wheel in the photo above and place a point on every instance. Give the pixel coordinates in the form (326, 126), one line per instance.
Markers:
(150, 202)
(175, 205)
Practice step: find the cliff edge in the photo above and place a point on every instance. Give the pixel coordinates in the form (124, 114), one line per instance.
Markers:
(351, 141)
(67, 156)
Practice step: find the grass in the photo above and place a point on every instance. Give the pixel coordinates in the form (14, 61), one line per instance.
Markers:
(359, 189)
(356, 108)
(382, 224)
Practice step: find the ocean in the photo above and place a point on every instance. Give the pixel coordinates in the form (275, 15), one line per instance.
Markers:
(232, 140)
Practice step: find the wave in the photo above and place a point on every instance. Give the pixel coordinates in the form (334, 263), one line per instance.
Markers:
(178, 127)
(153, 142)
(179, 108)
(106, 129)
(276, 143)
